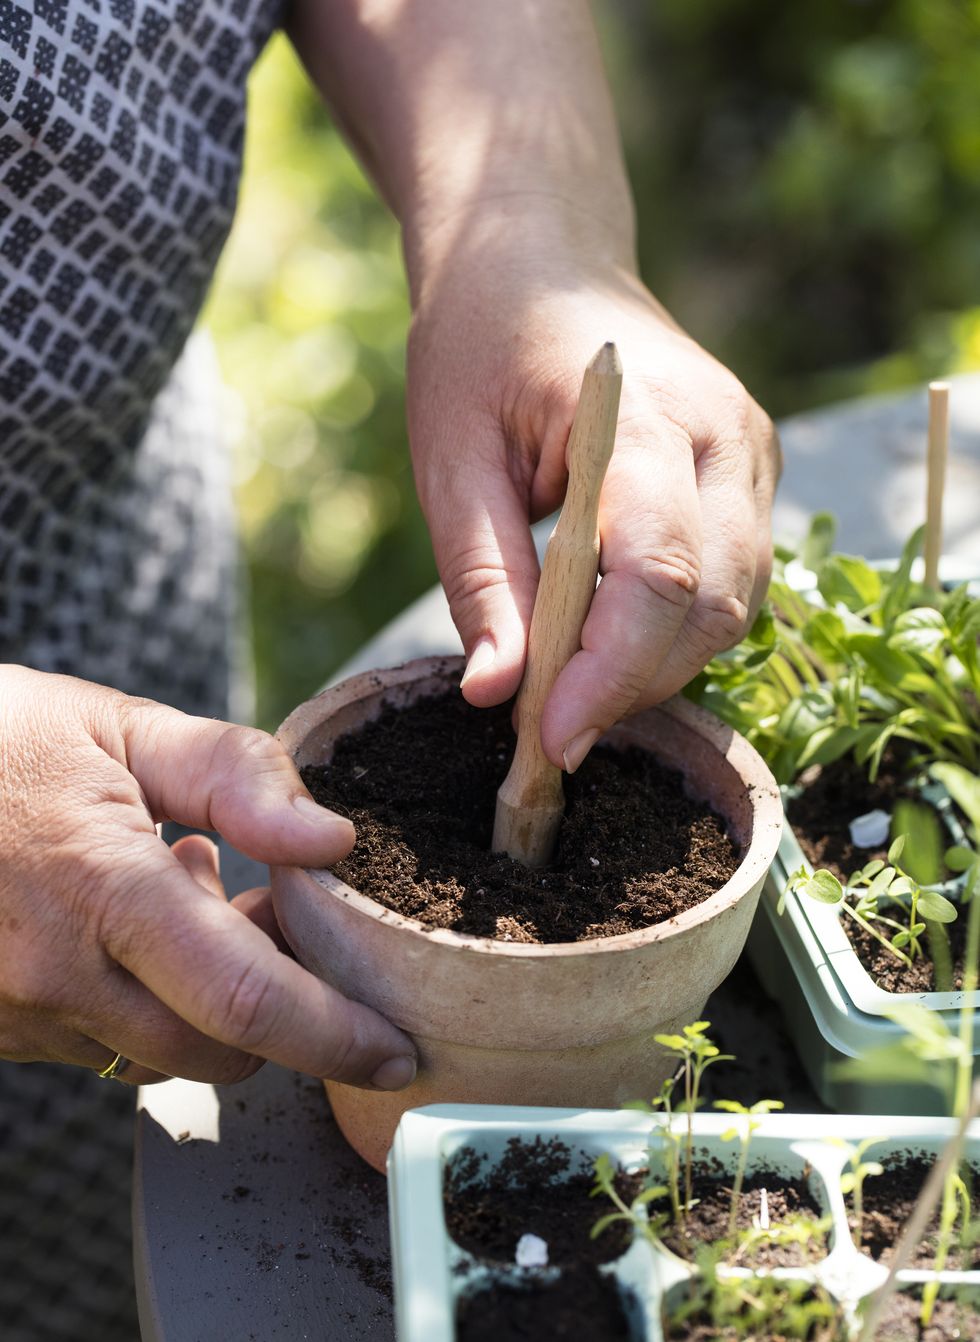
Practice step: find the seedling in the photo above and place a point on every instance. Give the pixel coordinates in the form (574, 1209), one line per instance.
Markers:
(754, 1307)
(852, 1182)
(743, 1131)
(650, 1227)
(695, 1052)
(879, 883)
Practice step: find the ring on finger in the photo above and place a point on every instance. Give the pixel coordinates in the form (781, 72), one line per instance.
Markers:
(115, 1069)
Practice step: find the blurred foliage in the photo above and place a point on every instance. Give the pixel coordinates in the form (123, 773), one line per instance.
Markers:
(808, 188)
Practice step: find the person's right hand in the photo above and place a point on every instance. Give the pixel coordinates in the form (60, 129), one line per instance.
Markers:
(111, 942)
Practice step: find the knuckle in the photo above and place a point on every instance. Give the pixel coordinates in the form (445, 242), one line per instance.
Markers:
(237, 745)
(471, 575)
(672, 574)
(718, 622)
(246, 1016)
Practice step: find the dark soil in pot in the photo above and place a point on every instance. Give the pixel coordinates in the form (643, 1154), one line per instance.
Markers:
(954, 1320)
(577, 1306)
(707, 1221)
(538, 1188)
(420, 785)
(888, 1201)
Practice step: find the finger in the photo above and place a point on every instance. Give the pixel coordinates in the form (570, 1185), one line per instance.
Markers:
(236, 780)
(200, 858)
(258, 908)
(650, 527)
(223, 975)
(481, 537)
(732, 585)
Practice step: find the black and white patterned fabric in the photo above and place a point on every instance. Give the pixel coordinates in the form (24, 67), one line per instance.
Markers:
(121, 129)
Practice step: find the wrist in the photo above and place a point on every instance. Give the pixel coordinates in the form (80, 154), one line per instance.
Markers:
(528, 229)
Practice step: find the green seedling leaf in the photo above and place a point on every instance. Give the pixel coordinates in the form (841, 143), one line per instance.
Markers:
(900, 940)
(901, 885)
(879, 886)
(895, 851)
(823, 886)
(893, 667)
(819, 541)
(826, 634)
(729, 1134)
(963, 787)
(849, 581)
(873, 867)
(922, 630)
(604, 1222)
(918, 822)
(653, 1194)
(899, 583)
(959, 858)
(936, 907)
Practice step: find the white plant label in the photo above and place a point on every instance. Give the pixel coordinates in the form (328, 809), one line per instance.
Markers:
(532, 1251)
(871, 830)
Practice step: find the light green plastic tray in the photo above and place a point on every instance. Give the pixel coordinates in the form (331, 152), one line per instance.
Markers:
(432, 1273)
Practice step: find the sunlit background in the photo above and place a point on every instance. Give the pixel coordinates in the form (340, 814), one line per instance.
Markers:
(808, 188)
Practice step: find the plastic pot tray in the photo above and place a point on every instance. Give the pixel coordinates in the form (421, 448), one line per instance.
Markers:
(833, 1008)
(432, 1273)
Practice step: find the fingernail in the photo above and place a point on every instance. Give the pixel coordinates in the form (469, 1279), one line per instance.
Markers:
(311, 810)
(577, 749)
(395, 1074)
(481, 657)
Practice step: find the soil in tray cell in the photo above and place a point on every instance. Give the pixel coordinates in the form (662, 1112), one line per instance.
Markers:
(787, 1199)
(953, 1320)
(537, 1188)
(826, 1323)
(580, 1305)
(420, 784)
(888, 1201)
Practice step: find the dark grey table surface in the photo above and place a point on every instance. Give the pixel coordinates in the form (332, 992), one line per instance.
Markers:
(252, 1218)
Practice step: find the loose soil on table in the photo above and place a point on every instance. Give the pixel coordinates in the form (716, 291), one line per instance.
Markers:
(956, 1320)
(576, 1307)
(833, 795)
(888, 1201)
(707, 1220)
(537, 1188)
(420, 785)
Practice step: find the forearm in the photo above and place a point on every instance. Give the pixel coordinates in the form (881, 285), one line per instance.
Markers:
(473, 116)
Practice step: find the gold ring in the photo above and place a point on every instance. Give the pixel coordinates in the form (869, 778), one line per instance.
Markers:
(115, 1068)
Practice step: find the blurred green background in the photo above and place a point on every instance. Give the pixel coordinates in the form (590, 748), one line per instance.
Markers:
(808, 190)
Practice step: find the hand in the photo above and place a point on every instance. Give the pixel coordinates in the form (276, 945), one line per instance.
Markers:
(500, 340)
(112, 942)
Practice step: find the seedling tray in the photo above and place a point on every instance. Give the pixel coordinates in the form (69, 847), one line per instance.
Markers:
(833, 1008)
(432, 1273)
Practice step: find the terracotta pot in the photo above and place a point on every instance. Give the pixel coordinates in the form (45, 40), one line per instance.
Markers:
(568, 1024)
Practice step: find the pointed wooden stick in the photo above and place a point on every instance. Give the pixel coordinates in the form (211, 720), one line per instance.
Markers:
(530, 803)
(936, 478)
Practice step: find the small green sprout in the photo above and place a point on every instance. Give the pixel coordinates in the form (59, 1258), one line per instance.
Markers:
(743, 1131)
(650, 1227)
(695, 1052)
(880, 883)
(852, 1181)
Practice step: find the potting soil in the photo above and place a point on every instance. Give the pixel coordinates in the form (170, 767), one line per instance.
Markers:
(420, 785)
(888, 1201)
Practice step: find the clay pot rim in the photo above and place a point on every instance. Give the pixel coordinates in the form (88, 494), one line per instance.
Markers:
(743, 758)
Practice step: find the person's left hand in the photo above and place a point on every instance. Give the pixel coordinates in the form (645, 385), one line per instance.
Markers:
(499, 343)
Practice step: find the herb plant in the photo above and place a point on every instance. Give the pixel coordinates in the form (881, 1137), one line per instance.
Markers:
(852, 1182)
(743, 1131)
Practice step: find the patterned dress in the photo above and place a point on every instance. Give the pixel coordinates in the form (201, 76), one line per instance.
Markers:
(121, 130)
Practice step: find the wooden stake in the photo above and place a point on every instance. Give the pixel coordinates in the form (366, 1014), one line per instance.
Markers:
(936, 478)
(530, 802)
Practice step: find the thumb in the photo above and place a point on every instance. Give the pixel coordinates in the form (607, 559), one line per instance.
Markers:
(236, 780)
(485, 554)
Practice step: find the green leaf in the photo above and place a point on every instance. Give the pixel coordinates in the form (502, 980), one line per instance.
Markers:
(730, 1106)
(959, 858)
(823, 886)
(879, 886)
(605, 1221)
(900, 940)
(963, 786)
(895, 851)
(899, 583)
(819, 541)
(873, 867)
(922, 630)
(826, 634)
(920, 825)
(849, 581)
(936, 907)
(892, 666)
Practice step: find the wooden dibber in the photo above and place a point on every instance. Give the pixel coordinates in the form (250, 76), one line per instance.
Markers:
(530, 802)
(936, 479)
